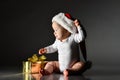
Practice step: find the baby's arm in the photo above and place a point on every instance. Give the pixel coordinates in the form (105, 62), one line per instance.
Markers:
(49, 49)
(78, 36)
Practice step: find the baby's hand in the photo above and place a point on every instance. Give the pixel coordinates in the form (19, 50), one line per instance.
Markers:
(76, 22)
(42, 51)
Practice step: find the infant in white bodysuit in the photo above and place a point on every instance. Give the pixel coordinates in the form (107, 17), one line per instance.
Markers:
(68, 34)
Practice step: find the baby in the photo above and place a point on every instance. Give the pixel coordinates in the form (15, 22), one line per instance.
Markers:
(68, 34)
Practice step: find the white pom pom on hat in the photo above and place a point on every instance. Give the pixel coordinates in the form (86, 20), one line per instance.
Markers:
(65, 21)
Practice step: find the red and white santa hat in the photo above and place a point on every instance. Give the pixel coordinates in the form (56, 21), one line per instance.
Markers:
(64, 19)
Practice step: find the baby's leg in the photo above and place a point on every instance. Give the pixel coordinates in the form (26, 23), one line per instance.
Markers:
(77, 66)
(74, 69)
(50, 67)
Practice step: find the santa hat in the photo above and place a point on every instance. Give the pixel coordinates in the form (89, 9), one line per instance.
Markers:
(65, 21)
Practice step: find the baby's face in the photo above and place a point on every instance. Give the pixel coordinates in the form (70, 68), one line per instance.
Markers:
(59, 32)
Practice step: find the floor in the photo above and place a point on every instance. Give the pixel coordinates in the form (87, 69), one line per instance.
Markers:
(95, 73)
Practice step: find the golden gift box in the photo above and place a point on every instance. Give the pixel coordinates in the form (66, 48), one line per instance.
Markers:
(34, 64)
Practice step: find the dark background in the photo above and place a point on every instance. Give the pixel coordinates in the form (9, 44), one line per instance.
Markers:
(25, 27)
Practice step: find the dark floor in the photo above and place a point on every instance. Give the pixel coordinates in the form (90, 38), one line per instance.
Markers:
(95, 73)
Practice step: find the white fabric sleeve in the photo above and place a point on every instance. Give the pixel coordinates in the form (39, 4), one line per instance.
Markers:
(78, 37)
(52, 48)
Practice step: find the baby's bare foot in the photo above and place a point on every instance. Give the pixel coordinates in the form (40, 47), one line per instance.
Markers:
(65, 73)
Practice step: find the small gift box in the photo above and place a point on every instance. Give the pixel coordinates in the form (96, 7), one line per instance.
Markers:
(34, 64)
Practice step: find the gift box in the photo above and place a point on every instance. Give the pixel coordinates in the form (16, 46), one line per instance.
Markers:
(34, 64)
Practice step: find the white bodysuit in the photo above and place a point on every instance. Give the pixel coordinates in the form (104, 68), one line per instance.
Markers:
(68, 51)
